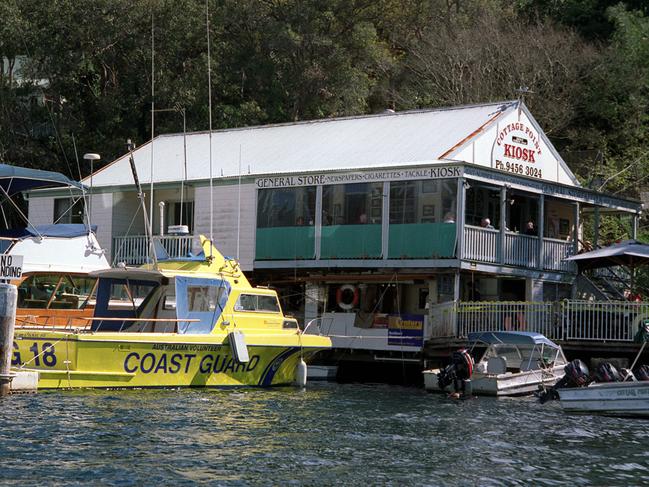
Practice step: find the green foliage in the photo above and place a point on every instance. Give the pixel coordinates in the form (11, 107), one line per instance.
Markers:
(79, 73)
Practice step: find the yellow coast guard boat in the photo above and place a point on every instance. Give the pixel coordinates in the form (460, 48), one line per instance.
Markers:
(188, 323)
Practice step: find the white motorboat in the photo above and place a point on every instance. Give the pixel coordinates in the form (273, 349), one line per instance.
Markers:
(630, 398)
(615, 395)
(515, 363)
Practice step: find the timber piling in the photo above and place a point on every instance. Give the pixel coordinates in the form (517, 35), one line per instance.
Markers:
(8, 300)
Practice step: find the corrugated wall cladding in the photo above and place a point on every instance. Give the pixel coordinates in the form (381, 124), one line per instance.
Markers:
(225, 220)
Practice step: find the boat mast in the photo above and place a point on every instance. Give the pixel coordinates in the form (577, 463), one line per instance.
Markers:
(140, 196)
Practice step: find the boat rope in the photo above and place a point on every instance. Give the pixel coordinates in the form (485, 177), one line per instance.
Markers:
(67, 363)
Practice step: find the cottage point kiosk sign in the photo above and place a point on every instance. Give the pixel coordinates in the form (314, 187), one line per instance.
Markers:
(517, 150)
(439, 172)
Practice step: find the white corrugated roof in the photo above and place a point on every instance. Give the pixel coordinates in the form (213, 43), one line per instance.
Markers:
(388, 139)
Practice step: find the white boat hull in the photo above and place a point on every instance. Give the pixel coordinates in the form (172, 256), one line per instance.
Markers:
(507, 384)
(325, 373)
(616, 398)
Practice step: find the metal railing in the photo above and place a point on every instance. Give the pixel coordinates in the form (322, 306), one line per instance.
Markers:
(564, 320)
(484, 245)
(506, 316)
(605, 321)
(133, 250)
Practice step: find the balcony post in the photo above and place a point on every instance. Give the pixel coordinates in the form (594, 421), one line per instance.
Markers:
(596, 229)
(385, 220)
(503, 224)
(576, 229)
(540, 230)
(460, 217)
(634, 230)
(317, 231)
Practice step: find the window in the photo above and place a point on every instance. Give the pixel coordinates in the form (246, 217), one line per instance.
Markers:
(352, 204)
(68, 210)
(127, 295)
(56, 291)
(182, 214)
(257, 302)
(482, 202)
(426, 201)
(286, 207)
(205, 298)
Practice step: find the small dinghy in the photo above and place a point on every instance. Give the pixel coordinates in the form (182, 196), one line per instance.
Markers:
(514, 363)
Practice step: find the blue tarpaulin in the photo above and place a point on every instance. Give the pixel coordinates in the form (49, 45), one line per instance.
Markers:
(15, 179)
(65, 230)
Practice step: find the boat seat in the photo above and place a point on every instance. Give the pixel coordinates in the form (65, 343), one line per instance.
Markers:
(497, 365)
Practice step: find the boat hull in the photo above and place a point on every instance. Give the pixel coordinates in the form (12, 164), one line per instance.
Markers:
(97, 360)
(508, 384)
(617, 398)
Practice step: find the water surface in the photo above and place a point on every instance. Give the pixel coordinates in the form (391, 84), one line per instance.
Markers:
(327, 434)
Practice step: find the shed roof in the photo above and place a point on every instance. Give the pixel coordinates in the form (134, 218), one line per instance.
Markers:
(362, 142)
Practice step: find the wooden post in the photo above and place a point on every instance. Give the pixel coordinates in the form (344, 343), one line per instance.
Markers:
(540, 230)
(596, 224)
(502, 224)
(575, 235)
(8, 299)
(460, 218)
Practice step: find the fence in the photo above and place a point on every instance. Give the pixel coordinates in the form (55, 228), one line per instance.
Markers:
(564, 320)
(133, 250)
(484, 245)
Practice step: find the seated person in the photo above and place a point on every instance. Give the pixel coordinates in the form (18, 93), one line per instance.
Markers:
(486, 223)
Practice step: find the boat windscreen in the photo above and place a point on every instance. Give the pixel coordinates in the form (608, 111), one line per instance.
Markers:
(120, 298)
(200, 299)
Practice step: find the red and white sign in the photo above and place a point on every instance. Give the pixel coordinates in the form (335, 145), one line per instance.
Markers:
(518, 150)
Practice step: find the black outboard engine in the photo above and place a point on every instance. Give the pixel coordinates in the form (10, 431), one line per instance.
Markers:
(457, 372)
(642, 373)
(607, 372)
(576, 375)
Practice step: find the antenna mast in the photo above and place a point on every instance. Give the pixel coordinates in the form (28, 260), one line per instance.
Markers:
(152, 125)
(209, 102)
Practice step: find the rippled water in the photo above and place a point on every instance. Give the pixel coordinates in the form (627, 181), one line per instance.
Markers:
(328, 434)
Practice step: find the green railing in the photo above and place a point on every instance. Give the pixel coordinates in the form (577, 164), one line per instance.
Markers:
(285, 243)
(351, 242)
(421, 240)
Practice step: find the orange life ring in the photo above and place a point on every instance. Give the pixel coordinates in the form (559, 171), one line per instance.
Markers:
(342, 296)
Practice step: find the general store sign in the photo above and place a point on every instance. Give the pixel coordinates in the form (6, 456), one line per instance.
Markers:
(437, 172)
(518, 150)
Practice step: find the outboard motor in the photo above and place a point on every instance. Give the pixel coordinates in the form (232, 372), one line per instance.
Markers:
(642, 373)
(457, 372)
(576, 375)
(607, 372)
